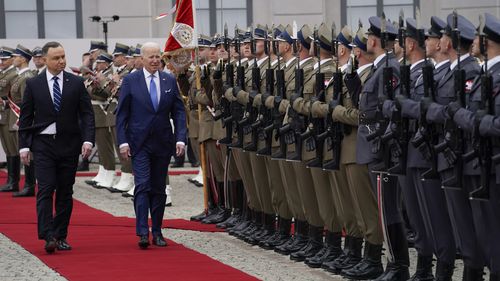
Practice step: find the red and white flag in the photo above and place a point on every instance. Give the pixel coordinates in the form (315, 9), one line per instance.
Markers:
(183, 34)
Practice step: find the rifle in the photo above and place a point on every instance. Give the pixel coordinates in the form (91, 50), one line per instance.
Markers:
(251, 113)
(236, 108)
(334, 130)
(452, 146)
(381, 125)
(266, 121)
(426, 135)
(316, 125)
(290, 132)
(482, 145)
(224, 103)
(277, 117)
(399, 125)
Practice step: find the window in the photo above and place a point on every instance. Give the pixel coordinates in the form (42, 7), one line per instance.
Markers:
(363, 9)
(211, 15)
(232, 12)
(59, 18)
(41, 19)
(21, 19)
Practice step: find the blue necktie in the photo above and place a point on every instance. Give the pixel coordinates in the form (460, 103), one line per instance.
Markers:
(153, 93)
(57, 94)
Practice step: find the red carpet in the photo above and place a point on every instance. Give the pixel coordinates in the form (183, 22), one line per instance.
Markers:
(171, 172)
(105, 247)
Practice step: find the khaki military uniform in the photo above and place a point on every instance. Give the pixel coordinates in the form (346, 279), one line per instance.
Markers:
(318, 205)
(230, 167)
(103, 134)
(126, 165)
(358, 199)
(206, 126)
(7, 136)
(16, 95)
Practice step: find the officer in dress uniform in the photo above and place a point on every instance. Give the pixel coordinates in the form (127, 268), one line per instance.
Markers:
(485, 213)
(302, 176)
(370, 153)
(21, 61)
(459, 206)
(38, 60)
(351, 178)
(104, 138)
(126, 181)
(317, 203)
(8, 138)
(424, 198)
(489, 125)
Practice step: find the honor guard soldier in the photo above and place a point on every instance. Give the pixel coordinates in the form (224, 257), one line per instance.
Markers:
(38, 60)
(104, 139)
(8, 138)
(318, 202)
(480, 181)
(22, 57)
(421, 187)
(351, 182)
(126, 181)
(96, 48)
(304, 87)
(456, 175)
(381, 37)
(130, 58)
(137, 58)
(489, 126)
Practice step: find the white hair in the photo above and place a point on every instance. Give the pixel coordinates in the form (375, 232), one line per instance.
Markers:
(149, 45)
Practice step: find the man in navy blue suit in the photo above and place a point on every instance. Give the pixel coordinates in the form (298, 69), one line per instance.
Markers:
(148, 99)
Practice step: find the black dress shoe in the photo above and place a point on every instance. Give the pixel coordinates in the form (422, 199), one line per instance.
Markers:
(143, 242)
(9, 188)
(177, 165)
(199, 217)
(159, 241)
(50, 245)
(195, 164)
(62, 245)
(90, 182)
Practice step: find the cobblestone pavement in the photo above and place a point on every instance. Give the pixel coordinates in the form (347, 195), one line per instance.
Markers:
(18, 264)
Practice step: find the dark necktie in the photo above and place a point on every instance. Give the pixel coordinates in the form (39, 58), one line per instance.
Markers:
(57, 94)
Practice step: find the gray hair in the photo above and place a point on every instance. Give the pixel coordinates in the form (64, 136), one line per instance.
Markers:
(149, 45)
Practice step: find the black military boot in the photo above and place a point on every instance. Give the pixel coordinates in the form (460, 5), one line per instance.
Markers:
(331, 250)
(350, 256)
(300, 239)
(268, 230)
(253, 227)
(222, 213)
(444, 271)
(424, 269)
(235, 204)
(29, 182)
(397, 270)
(472, 274)
(370, 267)
(280, 237)
(212, 208)
(245, 221)
(13, 174)
(314, 245)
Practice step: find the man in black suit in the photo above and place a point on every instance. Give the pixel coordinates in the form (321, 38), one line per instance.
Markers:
(56, 125)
